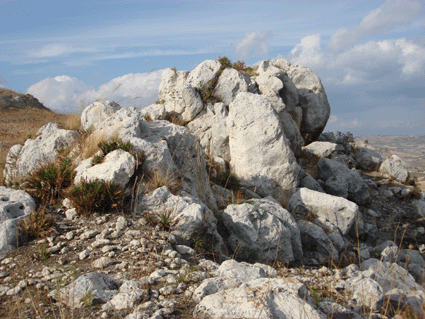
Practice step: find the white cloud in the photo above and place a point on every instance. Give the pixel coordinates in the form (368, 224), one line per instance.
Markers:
(255, 42)
(308, 51)
(65, 94)
(58, 49)
(391, 14)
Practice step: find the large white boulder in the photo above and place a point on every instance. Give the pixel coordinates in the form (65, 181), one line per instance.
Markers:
(97, 112)
(171, 78)
(230, 83)
(323, 149)
(205, 72)
(394, 167)
(117, 166)
(39, 151)
(185, 101)
(336, 210)
(263, 229)
(260, 153)
(15, 205)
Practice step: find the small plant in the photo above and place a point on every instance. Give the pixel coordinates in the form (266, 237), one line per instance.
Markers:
(37, 224)
(251, 71)
(48, 182)
(95, 196)
(174, 118)
(156, 179)
(225, 62)
(87, 299)
(109, 146)
(197, 242)
(42, 252)
(165, 219)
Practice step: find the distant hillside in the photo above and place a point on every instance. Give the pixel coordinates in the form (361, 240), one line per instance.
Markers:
(12, 100)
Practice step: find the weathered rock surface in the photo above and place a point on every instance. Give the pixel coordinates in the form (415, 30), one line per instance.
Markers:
(259, 151)
(394, 167)
(367, 159)
(117, 166)
(39, 151)
(263, 227)
(323, 149)
(188, 217)
(230, 84)
(97, 112)
(336, 210)
(342, 181)
(15, 205)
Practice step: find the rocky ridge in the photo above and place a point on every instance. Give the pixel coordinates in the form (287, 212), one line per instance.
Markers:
(318, 227)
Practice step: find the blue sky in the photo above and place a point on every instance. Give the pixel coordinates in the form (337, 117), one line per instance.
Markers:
(370, 55)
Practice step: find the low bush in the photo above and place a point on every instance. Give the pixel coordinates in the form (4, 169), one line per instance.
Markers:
(37, 224)
(95, 196)
(47, 183)
(347, 139)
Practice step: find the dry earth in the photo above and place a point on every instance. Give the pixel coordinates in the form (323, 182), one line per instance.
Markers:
(411, 148)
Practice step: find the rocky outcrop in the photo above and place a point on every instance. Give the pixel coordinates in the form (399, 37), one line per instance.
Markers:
(97, 112)
(13, 100)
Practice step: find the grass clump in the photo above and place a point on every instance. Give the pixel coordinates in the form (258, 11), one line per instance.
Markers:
(47, 183)
(109, 146)
(157, 179)
(95, 196)
(38, 224)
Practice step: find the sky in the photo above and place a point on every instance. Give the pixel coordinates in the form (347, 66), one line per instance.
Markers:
(369, 55)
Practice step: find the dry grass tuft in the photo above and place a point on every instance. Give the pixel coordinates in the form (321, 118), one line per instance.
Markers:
(89, 143)
(38, 224)
(156, 179)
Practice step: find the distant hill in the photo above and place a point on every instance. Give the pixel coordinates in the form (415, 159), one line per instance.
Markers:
(12, 100)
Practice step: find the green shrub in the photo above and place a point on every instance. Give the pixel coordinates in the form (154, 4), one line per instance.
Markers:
(110, 146)
(95, 196)
(48, 182)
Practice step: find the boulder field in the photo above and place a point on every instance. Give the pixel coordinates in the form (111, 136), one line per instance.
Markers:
(261, 214)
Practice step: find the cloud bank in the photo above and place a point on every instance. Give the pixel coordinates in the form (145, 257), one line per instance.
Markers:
(65, 94)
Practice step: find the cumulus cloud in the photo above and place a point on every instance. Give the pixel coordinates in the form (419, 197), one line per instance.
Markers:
(65, 94)
(255, 42)
(391, 14)
(60, 94)
(308, 51)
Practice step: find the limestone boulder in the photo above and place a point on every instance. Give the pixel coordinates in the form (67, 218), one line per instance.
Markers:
(260, 153)
(335, 210)
(171, 78)
(323, 149)
(340, 180)
(312, 99)
(229, 85)
(97, 112)
(205, 72)
(367, 159)
(39, 151)
(292, 133)
(394, 167)
(188, 216)
(281, 298)
(89, 289)
(185, 101)
(263, 229)
(15, 205)
(118, 167)
(210, 127)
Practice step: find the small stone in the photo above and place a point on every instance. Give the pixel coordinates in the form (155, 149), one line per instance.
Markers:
(62, 260)
(84, 254)
(69, 235)
(121, 223)
(88, 234)
(71, 213)
(102, 262)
